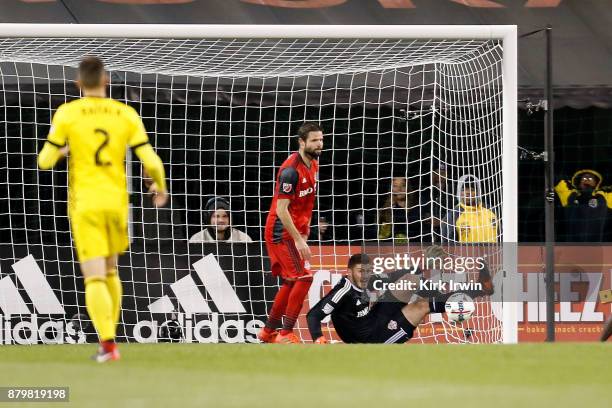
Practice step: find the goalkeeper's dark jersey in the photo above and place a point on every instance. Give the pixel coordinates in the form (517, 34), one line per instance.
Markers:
(349, 310)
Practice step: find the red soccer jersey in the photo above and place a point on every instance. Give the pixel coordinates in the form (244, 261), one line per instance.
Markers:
(298, 183)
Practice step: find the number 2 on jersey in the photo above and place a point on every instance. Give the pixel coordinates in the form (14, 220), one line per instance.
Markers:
(104, 134)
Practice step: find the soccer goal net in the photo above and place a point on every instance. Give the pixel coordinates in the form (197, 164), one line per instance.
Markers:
(413, 117)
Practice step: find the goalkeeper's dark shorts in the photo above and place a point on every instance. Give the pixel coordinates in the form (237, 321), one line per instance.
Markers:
(391, 326)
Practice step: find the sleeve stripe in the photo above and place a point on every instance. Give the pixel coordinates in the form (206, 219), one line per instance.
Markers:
(347, 286)
(139, 145)
(56, 144)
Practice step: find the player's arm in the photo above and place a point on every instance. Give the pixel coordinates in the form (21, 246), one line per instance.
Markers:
(55, 147)
(50, 155)
(287, 184)
(153, 165)
(155, 169)
(139, 142)
(376, 288)
(282, 210)
(325, 307)
(432, 252)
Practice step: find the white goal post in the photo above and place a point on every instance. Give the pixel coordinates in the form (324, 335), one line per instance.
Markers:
(221, 104)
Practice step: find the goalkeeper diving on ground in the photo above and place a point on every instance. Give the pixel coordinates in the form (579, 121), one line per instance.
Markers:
(361, 314)
(97, 131)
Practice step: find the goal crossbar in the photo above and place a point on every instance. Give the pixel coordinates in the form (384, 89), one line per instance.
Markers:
(25, 30)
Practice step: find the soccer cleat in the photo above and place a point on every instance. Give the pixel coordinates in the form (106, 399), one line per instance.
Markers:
(321, 340)
(107, 351)
(484, 278)
(267, 337)
(289, 338)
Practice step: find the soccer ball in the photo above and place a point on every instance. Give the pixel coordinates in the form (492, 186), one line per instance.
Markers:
(459, 307)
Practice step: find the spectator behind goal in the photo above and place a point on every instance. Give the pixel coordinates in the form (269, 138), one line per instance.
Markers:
(469, 221)
(399, 217)
(585, 207)
(218, 221)
(322, 232)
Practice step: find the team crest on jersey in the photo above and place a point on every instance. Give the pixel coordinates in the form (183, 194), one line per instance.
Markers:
(287, 187)
(593, 203)
(392, 325)
(304, 180)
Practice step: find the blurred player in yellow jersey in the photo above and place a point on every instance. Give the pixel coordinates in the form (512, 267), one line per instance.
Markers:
(97, 131)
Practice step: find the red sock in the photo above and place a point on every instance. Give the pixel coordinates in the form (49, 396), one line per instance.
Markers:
(275, 319)
(295, 303)
(109, 346)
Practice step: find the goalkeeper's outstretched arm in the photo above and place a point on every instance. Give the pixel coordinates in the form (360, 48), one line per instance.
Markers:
(316, 314)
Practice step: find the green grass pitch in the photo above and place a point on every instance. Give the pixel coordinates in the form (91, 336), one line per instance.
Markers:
(226, 375)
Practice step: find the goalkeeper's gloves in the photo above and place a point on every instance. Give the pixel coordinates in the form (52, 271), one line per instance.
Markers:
(321, 340)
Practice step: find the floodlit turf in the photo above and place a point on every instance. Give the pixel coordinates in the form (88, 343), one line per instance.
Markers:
(224, 375)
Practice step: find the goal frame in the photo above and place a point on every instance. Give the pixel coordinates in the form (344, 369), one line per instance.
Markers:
(506, 33)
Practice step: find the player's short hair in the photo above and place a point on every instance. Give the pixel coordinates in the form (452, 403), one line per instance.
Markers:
(306, 128)
(91, 71)
(356, 259)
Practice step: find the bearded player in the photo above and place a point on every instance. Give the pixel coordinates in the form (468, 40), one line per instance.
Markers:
(287, 228)
(98, 130)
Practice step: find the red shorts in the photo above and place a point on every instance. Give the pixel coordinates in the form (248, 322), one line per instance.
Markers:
(286, 261)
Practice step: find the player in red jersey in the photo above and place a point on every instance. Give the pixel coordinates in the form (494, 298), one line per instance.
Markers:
(287, 228)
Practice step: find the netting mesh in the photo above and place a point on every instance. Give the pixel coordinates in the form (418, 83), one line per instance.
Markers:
(424, 116)
(240, 57)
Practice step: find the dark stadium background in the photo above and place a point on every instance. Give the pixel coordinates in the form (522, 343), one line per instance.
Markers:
(583, 139)
(582, 62)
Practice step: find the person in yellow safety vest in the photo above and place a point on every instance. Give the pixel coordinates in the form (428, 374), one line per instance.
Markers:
(469, 221)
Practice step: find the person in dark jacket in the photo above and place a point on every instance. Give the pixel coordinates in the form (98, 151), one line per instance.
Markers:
(399, 218)
(585, 207)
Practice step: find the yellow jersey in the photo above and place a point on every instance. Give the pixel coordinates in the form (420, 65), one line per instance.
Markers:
(476, 224)
(98, 132)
